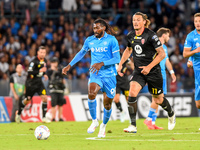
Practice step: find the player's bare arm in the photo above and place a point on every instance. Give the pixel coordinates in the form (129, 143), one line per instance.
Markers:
(187, 51)
(127, 53)
(171, 71)
(66, 69)
(158, 58)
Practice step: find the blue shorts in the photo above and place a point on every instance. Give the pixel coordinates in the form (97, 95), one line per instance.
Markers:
(107, 84)
(197, 85)
(164, 86)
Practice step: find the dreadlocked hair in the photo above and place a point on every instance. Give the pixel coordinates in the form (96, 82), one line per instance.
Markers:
(109, 29)
(144, 16)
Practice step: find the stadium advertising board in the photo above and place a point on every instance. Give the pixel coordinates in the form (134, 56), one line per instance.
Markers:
(76, 108)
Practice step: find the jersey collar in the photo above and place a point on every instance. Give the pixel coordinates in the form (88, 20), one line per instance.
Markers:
(195, 32)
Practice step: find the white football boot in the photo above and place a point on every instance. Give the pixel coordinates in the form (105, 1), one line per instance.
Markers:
(171, 122)
(102, 131)
(46, 120)
(17, 118)
(131, 129)
(93, 126)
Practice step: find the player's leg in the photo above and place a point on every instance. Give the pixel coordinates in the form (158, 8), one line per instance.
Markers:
(24, 99)
(164, 103)
(106, 115)
(150, 120)
(42, 92)
(53, 105)
(117, 102)
(109, 89)
(93, 88)
(61, 102)
(135, 88)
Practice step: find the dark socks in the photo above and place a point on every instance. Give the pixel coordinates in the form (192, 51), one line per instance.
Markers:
(132, 109)
(167, 107)
(44, 108)
(119, 106)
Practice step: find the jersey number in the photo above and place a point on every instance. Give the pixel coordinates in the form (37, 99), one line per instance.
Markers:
(154, 91)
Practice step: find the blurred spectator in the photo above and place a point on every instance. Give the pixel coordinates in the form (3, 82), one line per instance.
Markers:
(7, 7)
(69, 5)
(4, 66)
(96, 7)
(176, 57)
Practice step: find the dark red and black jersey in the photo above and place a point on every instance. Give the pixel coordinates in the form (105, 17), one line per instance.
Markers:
(144, 47)
(34, 68)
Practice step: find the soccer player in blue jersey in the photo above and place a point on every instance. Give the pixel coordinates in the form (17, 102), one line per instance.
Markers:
(192, 48)
(163, 35)
(104, 55)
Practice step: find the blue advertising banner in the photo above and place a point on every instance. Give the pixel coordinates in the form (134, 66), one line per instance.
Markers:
(4, 117)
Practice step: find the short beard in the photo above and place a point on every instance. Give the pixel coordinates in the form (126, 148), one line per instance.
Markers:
(198, 30)
(99, 35)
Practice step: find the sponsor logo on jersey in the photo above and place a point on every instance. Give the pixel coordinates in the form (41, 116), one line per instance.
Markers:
(138, 49)
(158, 43)
(154, 37)
(195, 39)
(143, 41)
(99, 49)
(137, 37)
(91, 43)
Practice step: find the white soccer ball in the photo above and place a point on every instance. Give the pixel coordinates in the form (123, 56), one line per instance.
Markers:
(42, 132)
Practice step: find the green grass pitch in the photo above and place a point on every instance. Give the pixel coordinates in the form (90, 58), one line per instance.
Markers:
(74, 136)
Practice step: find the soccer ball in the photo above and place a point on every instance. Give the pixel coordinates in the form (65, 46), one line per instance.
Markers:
(42, 132)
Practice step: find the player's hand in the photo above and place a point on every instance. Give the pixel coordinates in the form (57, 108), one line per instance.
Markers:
(96, 67)
(189, 64)
(173, 76)
(119, 71)
(16, 97)
(198, 49)
(65, 69)
(46, 77)
(145, 70)
(43, 69)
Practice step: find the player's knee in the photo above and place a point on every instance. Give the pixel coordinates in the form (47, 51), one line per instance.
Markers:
(91, 95)
(132, 100)
(107, 106)
(133, 93)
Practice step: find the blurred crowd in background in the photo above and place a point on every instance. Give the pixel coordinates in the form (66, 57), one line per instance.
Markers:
(63, 25)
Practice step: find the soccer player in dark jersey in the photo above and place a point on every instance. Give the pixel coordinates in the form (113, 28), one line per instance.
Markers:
(147, 52)
(122, 87)
(34, 84)
(163, 35)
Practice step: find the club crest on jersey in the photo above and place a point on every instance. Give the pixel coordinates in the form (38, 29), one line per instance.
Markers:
(197, 44)
(143, 41)
(138, 49)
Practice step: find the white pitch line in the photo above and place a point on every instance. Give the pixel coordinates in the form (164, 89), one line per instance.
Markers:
(127, 134)
(136, 140)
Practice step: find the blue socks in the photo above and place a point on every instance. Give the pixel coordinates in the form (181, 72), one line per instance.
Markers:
(154, 117)
(151, 112)
(92, 108)
(106, 115)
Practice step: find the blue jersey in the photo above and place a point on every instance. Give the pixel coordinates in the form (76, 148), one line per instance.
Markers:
(102, 49)
(163, 62)
(193, 41)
